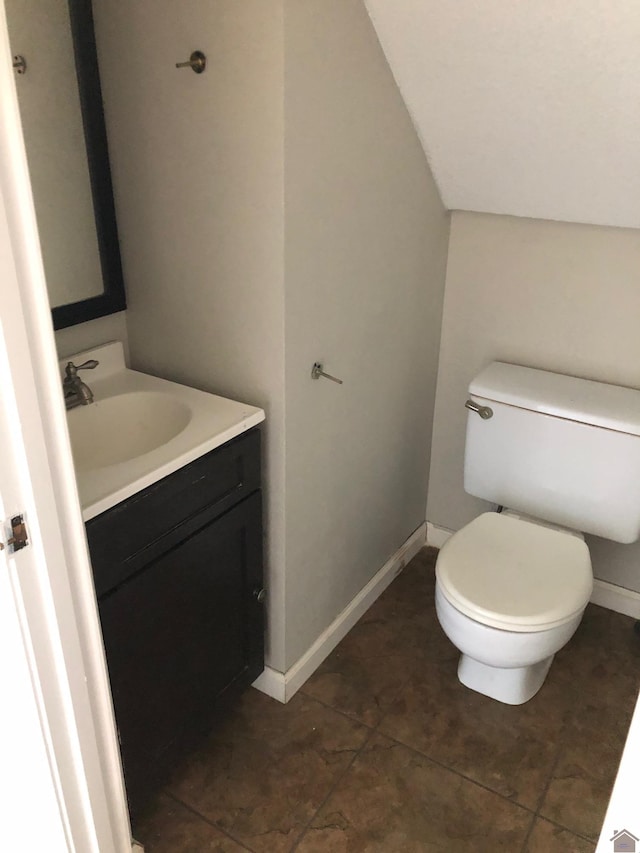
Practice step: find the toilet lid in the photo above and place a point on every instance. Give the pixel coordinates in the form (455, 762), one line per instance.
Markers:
(514, 574)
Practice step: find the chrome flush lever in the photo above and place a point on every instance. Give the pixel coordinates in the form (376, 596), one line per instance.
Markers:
(317, 372)
(484, 411)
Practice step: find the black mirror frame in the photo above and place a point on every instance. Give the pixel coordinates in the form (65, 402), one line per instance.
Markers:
(113, 298)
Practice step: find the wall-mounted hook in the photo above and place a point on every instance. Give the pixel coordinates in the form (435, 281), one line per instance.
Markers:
(197, 62)
(20, 64)
(317, 372)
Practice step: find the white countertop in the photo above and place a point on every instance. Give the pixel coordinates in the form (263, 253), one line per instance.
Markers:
(213, 421)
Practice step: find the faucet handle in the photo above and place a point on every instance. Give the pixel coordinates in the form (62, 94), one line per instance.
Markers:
(71, 368)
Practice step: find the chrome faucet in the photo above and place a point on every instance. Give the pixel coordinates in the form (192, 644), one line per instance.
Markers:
(76, 392)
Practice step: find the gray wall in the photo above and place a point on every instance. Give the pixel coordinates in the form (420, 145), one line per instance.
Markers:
(197, 166)
(365, 252)
(557, 296)
(281, 202)
(93, 334)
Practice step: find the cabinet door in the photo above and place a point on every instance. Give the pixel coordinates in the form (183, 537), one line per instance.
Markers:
(178, 634)
(121, 538)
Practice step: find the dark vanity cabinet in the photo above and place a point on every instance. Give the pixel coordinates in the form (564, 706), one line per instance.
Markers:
(178, 575)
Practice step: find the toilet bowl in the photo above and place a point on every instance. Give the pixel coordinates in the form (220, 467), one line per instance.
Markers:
(511, 589)
(510, 593)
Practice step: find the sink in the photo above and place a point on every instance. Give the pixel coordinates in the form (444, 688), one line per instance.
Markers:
(123, 427)
(141, 428)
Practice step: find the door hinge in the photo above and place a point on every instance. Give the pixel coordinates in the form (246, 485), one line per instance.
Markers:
(18, 535)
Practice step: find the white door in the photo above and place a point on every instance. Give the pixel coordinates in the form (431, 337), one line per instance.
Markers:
(32, 816)
(60, 778)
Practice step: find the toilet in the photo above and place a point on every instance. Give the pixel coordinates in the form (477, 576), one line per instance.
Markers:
(560, 456)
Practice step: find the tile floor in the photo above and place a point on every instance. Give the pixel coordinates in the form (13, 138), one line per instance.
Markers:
(383, 749)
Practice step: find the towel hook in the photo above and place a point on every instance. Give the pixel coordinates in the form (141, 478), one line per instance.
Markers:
(317, 372)
(20, 64)
(197, 62)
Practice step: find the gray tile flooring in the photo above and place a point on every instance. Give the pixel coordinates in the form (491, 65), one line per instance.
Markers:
(384, 750)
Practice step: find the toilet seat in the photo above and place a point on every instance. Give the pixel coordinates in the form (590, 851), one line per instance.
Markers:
(515, 575)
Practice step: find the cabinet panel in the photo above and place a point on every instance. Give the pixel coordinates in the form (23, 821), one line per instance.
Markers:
(180, 632)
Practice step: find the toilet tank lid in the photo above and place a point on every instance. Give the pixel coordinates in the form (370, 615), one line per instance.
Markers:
(583, 400)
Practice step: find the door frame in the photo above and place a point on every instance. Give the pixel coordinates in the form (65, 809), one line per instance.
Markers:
(58, 678)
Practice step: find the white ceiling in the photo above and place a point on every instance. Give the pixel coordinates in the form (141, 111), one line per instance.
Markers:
(524, 107)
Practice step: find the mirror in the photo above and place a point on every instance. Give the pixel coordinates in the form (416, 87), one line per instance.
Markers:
(63, 123)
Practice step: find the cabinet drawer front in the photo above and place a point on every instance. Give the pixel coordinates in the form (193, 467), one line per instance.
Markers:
(215, 482)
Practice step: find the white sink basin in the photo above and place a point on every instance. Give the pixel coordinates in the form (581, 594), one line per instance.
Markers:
(140, 428)
(124, 427)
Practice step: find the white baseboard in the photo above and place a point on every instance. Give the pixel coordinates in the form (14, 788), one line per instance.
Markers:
(283, 685)
(437, 536)
(606, 594)
(273, 683)
(616, 598)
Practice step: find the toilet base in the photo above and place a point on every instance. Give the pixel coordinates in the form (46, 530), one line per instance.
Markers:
(513, 686)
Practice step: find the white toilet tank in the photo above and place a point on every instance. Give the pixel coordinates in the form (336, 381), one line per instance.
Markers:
(562, 449)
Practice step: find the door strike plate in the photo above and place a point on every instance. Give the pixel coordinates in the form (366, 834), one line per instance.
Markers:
(19, 538)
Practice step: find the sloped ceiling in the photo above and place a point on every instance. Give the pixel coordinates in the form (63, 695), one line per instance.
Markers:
(524, 107)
